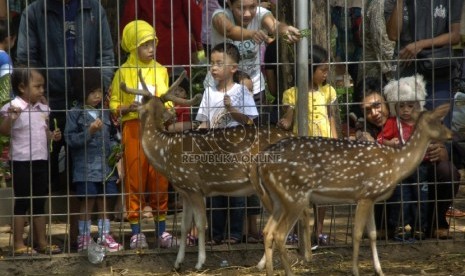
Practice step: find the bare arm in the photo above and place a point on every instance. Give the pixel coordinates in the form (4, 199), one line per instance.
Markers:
(235, 113)
(288, 118)
(3, 9)
(333, 112)
(7, 122)
(451, 38)
(272, 26)
(226, 28)
(394, 23)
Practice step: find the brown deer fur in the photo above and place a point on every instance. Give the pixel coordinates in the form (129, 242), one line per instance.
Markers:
(326, 171)
(228, 174)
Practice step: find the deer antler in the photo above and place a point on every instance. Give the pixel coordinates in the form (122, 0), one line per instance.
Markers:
(168, 96)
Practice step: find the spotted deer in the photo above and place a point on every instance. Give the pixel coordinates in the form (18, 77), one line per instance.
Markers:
(201, 163)
(330, 171)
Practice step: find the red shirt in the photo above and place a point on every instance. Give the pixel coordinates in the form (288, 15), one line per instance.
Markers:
(171, 20)
(183, 113)
(391, 130)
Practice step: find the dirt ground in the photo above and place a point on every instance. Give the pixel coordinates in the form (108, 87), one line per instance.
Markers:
(432, 258)
(425, 257)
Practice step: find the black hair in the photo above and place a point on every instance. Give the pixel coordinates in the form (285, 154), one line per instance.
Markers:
(240, 75)
(85, 81)
(229, 49)
(8, 28)
(364, 88)
(3, 30)
(22, 75)
(316, 55)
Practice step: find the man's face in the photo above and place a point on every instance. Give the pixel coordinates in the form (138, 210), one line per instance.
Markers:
(375, 109)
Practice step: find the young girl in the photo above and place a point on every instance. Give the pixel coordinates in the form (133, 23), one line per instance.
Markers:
(227, 104)
(25, 119)
(87, 134)
(322, 111)
(140, 178)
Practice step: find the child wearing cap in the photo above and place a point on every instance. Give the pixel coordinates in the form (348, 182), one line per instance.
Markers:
(405, 97)
(143, 185)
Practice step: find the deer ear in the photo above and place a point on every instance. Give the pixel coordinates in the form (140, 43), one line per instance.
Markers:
(441, 111)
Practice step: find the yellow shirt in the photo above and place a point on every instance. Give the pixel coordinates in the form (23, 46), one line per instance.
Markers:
(156, 78)
(318, 101)
(155, 75)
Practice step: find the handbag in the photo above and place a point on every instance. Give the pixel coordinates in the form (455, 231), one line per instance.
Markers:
(436, 62)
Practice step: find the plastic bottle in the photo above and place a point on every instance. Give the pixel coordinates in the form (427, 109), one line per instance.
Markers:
(224, 263)
(95, 252)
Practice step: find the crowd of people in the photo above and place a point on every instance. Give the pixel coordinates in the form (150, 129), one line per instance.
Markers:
(65, 94)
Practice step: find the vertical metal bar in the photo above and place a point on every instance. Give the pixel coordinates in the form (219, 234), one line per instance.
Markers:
(302, 63)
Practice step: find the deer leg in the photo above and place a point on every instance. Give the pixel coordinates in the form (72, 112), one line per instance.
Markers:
(306, 237)
(371, 230)
(186, 221)
(283, 227)
(364, 208)
(200, 219)
(267, 259)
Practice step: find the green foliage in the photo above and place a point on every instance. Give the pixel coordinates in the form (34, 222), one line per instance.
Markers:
(115, 155)
(344, 97)
(5, 89)
(198, 74)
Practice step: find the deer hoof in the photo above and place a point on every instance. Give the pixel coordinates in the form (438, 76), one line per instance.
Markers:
(177, 267)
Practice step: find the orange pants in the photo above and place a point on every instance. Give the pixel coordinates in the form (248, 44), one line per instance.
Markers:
(141, 181)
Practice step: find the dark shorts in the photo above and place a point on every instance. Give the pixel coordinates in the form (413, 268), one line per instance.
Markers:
(96, 188)
(30, 179)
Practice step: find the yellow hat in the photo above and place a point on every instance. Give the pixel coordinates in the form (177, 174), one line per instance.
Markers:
(136, 33)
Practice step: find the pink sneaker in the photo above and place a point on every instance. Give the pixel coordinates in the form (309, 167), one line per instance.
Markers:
(83, 242)
(109, 243)
(166, 240)
(138, 241)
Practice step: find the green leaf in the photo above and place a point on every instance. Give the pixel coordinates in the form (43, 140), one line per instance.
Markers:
(5, 88)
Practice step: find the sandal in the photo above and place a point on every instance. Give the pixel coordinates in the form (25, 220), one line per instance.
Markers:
(25, 251)
(232, 241)
(49, 249)
(192, 240)
(213, 242)
(252, 239)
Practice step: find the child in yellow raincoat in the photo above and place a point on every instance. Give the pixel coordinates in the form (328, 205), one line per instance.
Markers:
(140, 178)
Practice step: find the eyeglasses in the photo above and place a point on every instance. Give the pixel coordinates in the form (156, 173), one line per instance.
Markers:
(217, 64)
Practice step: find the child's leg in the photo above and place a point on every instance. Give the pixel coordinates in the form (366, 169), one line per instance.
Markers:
(135, 172)
(319, 219)
(21, 189)
(87, 207)
(158, 200)
(236, 218)
(38, 228)
(18, 231)
(253, 226)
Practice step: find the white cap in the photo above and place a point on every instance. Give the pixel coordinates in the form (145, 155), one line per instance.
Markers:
(407, 89)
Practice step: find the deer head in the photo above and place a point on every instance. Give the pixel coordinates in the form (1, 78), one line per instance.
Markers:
(339, 171)
(153, 106)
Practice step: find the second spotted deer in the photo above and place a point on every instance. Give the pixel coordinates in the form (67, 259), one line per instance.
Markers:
(327, 171)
